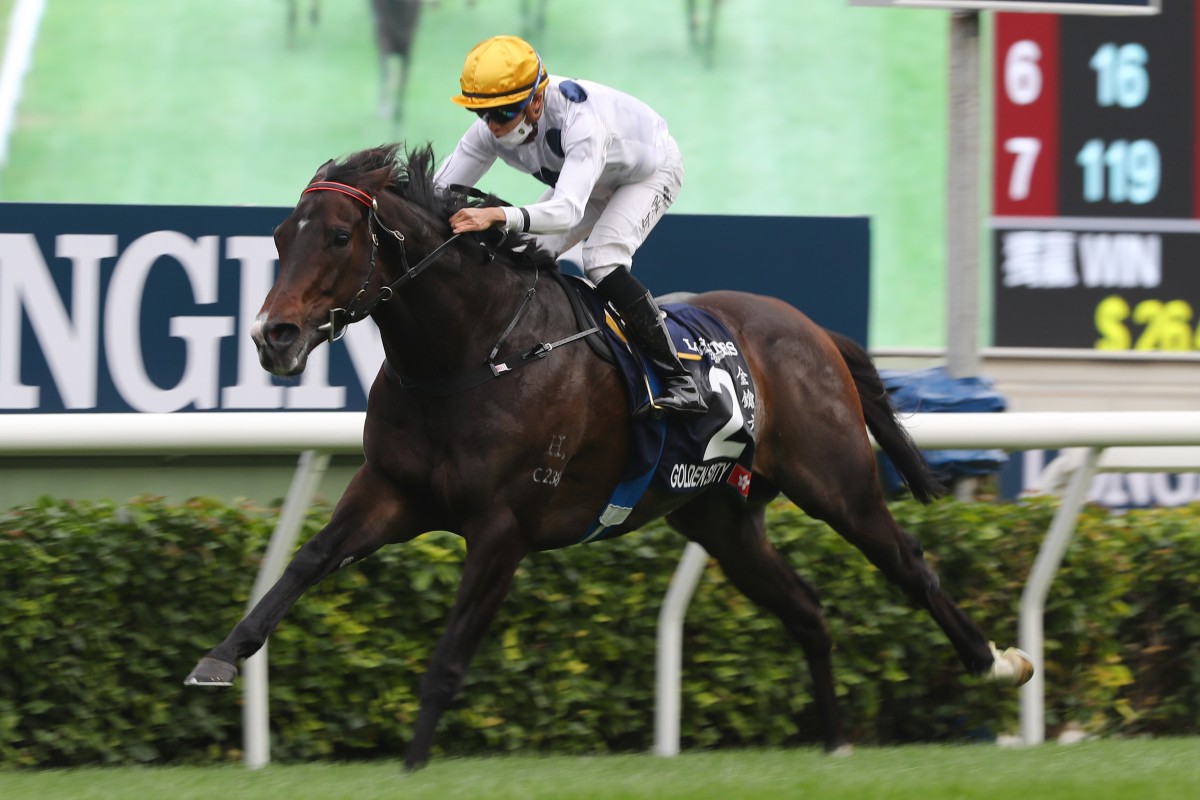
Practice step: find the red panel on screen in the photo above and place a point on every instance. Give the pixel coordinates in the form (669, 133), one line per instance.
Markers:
(1025, 153)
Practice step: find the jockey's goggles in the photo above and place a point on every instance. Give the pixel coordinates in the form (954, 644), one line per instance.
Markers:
(502, 115)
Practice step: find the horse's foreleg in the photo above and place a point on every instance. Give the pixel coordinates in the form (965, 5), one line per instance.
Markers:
(492, 559)
(736, 537)
(368, 516)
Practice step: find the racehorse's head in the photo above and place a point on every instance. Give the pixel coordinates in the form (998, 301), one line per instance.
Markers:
(330, 270)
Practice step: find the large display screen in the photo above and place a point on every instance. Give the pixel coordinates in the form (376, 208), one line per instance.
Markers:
(1096, 182)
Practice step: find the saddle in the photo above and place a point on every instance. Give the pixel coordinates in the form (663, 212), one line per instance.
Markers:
(673, 454)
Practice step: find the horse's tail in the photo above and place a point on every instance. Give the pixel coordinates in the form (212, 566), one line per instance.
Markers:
(881, 420)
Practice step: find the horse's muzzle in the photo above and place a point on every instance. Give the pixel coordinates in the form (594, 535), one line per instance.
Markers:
(282, 346)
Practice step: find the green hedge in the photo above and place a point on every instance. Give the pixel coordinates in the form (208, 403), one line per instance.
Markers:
(106, 607)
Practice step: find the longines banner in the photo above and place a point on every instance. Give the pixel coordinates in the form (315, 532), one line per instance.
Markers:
(148, 308)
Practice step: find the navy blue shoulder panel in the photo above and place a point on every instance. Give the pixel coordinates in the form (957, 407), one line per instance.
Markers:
(573, 91)
(554, 142)
(576, 94)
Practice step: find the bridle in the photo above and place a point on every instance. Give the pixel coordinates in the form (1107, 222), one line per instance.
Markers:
(341, 318)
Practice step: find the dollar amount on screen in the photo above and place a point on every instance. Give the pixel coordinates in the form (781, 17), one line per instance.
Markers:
(1165, 325)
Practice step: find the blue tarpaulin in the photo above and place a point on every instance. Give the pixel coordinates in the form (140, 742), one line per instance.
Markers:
(932, 391)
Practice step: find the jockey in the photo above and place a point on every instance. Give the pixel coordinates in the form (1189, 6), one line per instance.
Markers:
(612, 169)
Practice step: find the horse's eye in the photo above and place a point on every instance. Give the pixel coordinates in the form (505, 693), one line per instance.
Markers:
(341, 238)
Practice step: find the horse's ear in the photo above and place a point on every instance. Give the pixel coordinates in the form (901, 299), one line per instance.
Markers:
(375, 180)
(323, 171)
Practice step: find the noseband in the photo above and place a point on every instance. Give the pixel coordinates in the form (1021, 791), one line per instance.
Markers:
(341, 318)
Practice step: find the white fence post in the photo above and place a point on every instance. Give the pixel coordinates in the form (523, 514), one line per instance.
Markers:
(256, 724)
(670, 648)
(1033, 598)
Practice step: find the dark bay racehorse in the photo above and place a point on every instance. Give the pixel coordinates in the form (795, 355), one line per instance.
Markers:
(467, 461)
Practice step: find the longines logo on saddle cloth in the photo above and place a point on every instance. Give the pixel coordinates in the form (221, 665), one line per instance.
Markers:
(675, 454)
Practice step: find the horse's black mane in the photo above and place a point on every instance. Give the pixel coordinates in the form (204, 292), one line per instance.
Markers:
(410, 177)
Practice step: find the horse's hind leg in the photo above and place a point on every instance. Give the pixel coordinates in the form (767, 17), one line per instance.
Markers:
(368, 516)
(845, 493)
(736, 536)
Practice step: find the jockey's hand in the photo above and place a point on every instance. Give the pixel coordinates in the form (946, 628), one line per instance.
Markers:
(476, 219)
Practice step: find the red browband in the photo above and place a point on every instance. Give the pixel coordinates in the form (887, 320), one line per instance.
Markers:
(343, 188)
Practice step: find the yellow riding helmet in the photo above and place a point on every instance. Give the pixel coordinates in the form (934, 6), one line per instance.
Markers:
(501, 71)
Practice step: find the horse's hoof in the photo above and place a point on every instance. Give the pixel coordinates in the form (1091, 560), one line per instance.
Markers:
(211, 672)
(842, 751)
(1013, 666)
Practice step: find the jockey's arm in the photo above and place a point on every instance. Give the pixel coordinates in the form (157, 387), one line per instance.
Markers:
(472, 157)
(563, 209)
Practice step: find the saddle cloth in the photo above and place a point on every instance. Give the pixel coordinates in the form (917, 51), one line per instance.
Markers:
(674, 454)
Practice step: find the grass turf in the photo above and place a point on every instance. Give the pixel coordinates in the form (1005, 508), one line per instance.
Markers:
(1088, 771)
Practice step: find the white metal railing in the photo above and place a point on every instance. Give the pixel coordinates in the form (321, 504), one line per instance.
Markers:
(1119, 440)
(218, 433)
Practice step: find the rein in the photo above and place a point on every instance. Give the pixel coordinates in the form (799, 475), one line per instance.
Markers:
(490, 368)
(341, 318)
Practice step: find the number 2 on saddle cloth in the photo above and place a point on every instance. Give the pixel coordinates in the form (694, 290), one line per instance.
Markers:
(682, 455)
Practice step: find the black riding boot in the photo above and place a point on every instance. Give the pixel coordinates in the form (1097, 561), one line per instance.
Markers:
(645, 325)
